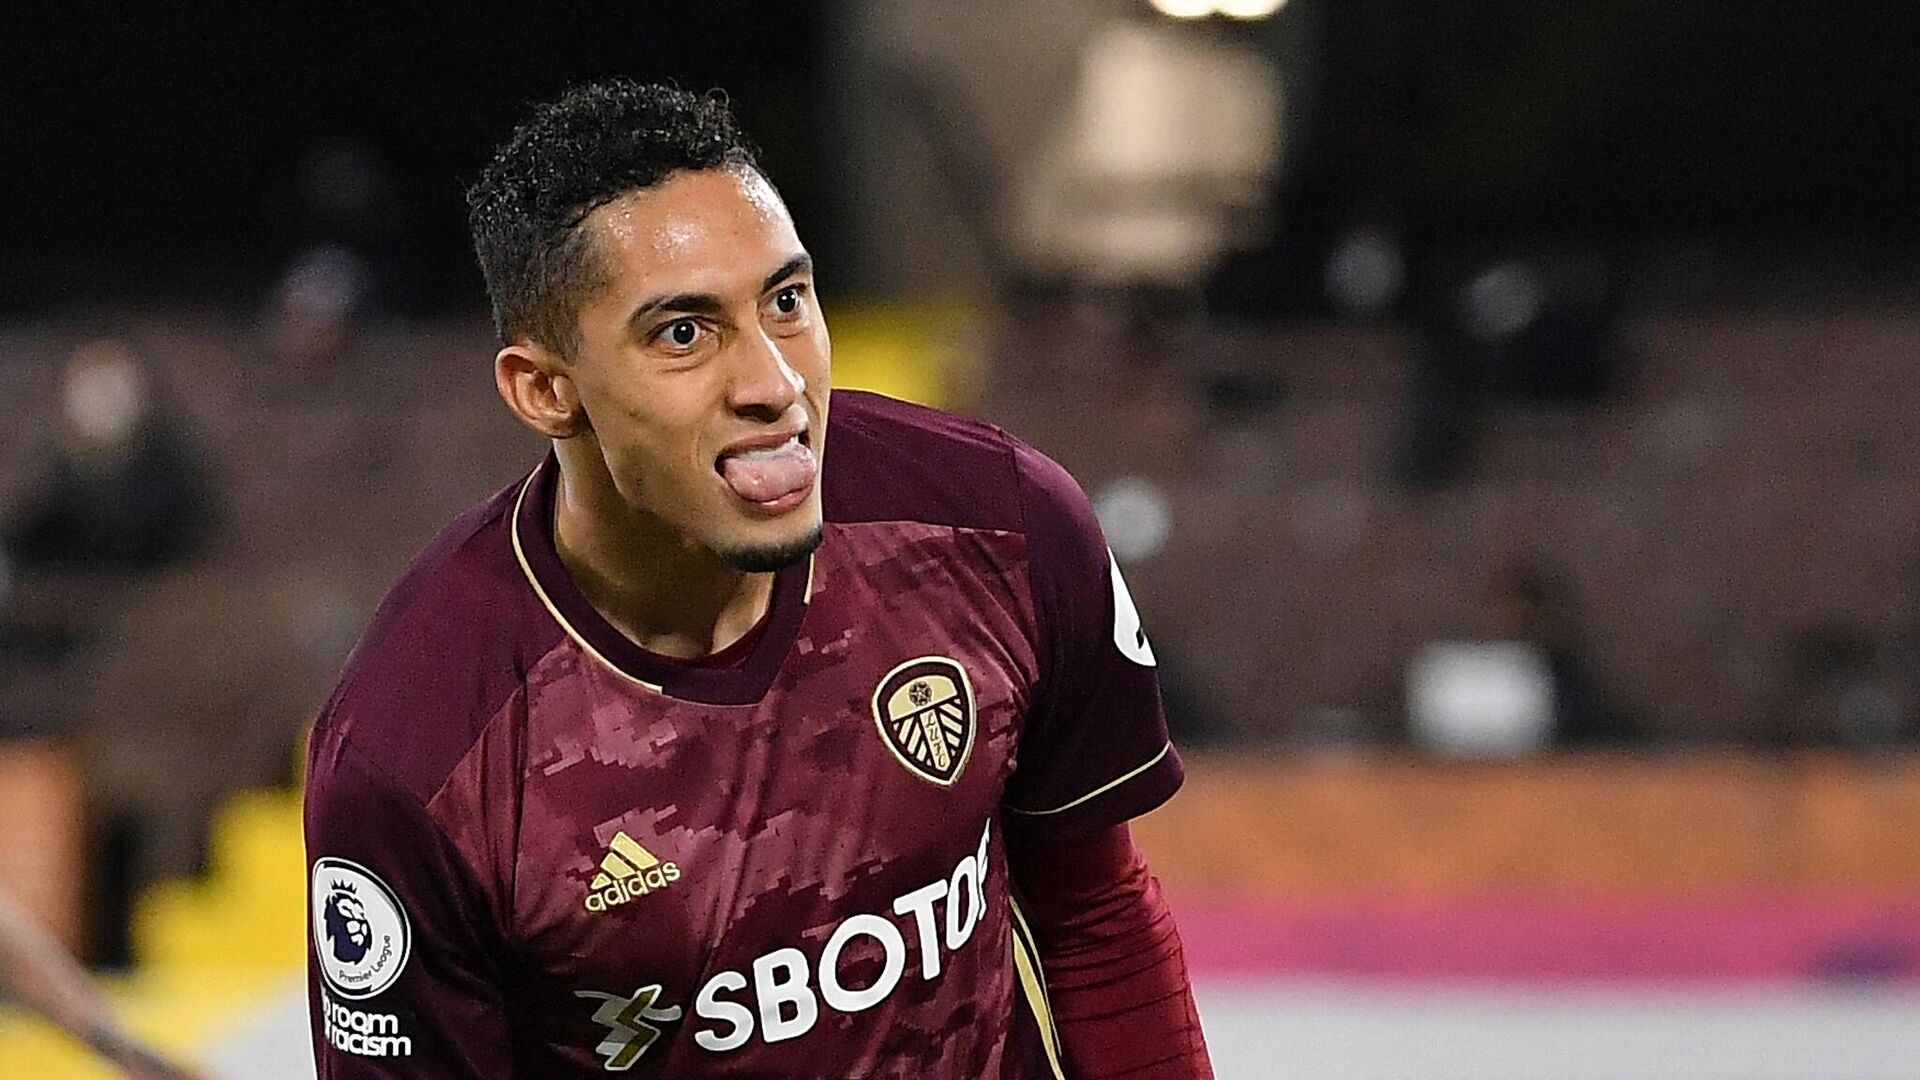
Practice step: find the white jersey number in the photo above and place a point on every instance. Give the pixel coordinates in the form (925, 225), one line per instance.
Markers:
(1128, 635)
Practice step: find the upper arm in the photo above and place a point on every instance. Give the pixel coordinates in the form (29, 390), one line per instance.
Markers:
(403, 975)
(1094, 750)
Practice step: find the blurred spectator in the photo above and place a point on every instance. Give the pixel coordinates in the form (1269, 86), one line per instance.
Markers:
(210, 684)
(124, 488)
(1536, 330)
(310, 318)
(1366, 272)
(1524, 684)
(1539, 606)
(349, 209)
(1838, 692)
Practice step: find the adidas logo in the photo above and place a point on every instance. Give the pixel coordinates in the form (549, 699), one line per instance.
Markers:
(628, 871)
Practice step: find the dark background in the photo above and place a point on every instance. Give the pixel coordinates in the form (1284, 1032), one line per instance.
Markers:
(155, 151)
(158, 148)
(1619, 117)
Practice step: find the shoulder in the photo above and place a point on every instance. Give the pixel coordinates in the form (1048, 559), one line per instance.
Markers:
(890, 460)
(446, 649)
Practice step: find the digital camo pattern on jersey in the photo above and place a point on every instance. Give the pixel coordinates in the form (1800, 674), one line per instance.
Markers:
(538, 850)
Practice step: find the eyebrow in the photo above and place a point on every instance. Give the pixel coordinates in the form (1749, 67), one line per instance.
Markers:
(799, 264)
(708, 303)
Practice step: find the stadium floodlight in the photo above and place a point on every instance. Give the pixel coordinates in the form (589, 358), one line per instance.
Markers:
(1185, 9)
(1248, 9)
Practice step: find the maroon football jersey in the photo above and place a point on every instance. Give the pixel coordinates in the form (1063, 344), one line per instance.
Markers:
(538, 850)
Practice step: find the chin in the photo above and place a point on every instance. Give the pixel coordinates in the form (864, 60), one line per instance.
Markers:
(767, 556)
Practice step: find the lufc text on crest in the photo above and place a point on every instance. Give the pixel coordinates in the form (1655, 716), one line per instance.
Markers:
(924, 709)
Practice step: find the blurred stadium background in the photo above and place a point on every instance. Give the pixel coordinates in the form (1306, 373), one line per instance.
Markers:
(1503, 412)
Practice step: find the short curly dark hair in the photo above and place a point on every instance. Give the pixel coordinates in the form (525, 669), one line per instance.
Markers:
(586, 148)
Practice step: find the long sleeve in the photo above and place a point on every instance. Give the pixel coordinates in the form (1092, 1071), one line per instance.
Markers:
(1115, 972)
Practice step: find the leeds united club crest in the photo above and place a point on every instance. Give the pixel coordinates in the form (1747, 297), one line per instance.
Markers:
(925, 711)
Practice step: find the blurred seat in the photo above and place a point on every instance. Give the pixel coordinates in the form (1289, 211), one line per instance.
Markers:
(1757, 476)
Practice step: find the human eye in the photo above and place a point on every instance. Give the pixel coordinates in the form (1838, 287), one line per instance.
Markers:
(790, 301)
(678, 335)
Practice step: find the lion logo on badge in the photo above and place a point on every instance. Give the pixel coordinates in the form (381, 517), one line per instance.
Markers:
(361, 935)
(924, 709)
(347, 929)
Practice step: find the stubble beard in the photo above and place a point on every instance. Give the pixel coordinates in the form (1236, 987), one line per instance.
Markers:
(767, 558)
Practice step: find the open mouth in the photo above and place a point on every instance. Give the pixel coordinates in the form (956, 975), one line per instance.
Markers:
(772, 474)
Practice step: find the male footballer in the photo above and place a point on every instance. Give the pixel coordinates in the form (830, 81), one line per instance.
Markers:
(756, 732)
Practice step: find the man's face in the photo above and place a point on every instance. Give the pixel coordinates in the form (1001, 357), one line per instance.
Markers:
(703, 365)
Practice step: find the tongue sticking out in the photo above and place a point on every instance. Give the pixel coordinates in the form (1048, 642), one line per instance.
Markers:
(765, 475)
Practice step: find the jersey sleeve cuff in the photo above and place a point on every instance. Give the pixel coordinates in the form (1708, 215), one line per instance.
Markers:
(1123, 798)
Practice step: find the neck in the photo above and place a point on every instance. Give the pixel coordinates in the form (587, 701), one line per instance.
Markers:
(670, 595)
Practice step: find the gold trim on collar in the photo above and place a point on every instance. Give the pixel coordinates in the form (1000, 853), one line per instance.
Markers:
(526, 568)
(520, 555)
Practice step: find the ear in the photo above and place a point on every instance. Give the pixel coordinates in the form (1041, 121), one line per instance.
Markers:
(536, 385)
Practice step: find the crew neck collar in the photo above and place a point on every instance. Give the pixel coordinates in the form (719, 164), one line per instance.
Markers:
(699, 680)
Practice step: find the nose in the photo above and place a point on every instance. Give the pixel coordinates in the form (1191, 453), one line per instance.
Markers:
(763, 385)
